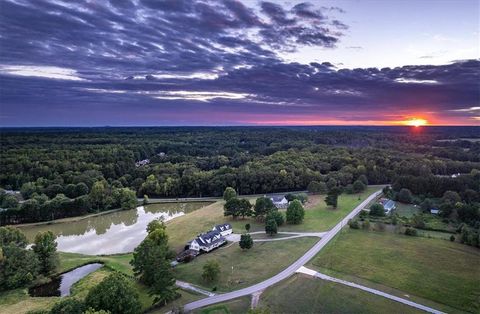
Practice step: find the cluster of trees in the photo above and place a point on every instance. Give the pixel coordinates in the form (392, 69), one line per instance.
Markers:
(63, 165)
(20, 266)
(40, 207)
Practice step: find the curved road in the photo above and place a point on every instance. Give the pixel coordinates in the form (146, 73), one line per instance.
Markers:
(288, 271)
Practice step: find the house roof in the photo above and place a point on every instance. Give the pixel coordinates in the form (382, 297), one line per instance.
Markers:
(223, 227)
(387, 203)
(209, 238)
(277, 198)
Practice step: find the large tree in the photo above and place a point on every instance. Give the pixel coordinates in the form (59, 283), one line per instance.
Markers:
(151, 263)
(115, 294)
(229, 193)
(295, 212)
(271, 227)
(332, 197)
(45, 248)
(263, 205)
(238, 207)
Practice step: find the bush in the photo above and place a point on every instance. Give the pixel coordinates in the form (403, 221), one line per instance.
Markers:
(452, 238)
(271, 226)
(246, 242)
(377, 210)
(380, 226)
(68, 306)
(366, 225)
(410, 231)
(211, 271)
(353, 224)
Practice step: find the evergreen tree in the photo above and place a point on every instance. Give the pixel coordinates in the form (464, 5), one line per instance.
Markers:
(246, 241)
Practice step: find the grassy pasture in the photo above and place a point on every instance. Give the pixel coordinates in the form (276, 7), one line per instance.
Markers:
(302, 294)
(438, 270)
(263, 261)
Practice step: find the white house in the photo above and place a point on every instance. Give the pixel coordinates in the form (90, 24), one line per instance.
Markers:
(207, 241)
(224, 229)
(279, 201)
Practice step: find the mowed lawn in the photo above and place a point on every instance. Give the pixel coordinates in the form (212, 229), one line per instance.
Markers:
(318, 218)
(322, 217)
(263, 261)
(302, 294)
(438, 270)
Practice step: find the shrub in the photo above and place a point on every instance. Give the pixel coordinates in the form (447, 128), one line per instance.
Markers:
(366, 225)
(68, 306)
(380, 226)
(211, 271)
(271, 226)
(246, 241)
(410, 231)
(353, 224)
(377, 210)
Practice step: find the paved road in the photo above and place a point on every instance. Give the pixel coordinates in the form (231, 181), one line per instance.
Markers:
(314, 273)
(290, 270)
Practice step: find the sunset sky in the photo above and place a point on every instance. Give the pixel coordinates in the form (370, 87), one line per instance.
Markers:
(185, 62)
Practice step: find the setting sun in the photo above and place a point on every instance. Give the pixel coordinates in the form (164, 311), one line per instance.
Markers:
(416, 122)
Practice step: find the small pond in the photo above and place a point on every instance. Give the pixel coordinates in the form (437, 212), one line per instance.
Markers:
(60, 285)
(112, 233)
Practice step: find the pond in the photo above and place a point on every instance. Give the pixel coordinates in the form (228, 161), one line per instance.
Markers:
(60, 285)
(117, 232)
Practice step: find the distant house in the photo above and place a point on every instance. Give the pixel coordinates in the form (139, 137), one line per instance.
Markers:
(434, 211)
(224, 229)
(206, 242)
(388, 205)
(279, 201)
(142, 162)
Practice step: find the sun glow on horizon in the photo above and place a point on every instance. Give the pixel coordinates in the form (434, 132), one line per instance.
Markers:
(415, 122)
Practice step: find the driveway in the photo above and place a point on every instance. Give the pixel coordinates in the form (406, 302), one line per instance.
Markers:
(313, 273)
(290, 270)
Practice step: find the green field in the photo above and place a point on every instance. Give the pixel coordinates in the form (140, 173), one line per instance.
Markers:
(263, 261)
(322, 218)
(317, 218)
(438, 270)
(301, 294)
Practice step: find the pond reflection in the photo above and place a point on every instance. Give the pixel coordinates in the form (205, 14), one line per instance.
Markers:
(118, 232)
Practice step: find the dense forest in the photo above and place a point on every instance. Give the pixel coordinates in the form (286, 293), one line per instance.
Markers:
(61, 172)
